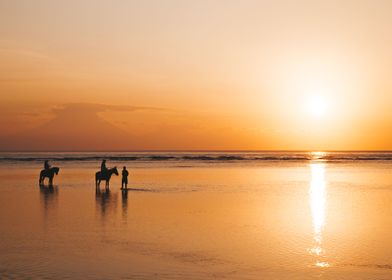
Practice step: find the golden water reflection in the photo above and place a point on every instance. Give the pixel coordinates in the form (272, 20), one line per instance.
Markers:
(317, 193)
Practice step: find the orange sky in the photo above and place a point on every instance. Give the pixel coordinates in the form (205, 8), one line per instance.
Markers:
(129, 75)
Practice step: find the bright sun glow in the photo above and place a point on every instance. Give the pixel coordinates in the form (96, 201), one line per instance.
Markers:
(317, 106)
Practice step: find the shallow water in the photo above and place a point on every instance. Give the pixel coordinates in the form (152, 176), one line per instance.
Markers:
(271, 220)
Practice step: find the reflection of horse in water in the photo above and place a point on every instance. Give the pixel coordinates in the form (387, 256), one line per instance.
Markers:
(48, 173)
(106, 202)
(105, 176)
(49, 196)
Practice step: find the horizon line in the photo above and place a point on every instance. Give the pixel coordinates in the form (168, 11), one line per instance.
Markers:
(189, 151)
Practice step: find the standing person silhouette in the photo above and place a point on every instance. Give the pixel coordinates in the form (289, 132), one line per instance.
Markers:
(124, 181)
(46, 165)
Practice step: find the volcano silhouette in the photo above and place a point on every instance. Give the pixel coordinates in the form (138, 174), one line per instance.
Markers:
(75, 127)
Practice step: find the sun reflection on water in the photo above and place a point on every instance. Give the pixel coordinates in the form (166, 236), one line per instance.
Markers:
(318, 155)
(317, 204)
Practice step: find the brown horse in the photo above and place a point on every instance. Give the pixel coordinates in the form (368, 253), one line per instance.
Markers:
(99, 176)
(48, 174)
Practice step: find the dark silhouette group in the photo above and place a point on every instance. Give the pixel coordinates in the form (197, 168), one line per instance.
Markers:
(104, 175)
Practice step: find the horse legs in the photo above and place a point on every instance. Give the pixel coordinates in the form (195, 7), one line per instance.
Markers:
(50, 180)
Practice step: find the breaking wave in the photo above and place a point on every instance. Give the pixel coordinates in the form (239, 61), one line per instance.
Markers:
(210, 157)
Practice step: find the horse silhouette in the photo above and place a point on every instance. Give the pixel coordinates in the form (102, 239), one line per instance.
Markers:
(99, 176)
(48, 173)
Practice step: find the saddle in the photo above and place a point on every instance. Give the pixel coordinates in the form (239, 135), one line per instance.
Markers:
(47, 170)
(104, 172)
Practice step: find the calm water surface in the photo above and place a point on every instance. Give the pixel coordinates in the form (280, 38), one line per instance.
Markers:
(198, 218)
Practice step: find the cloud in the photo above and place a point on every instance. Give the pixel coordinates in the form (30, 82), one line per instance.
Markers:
(26, 53)
(97, 108)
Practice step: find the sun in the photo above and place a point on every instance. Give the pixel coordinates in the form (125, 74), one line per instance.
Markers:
(317, 106)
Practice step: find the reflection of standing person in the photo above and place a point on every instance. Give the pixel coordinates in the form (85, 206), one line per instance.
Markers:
(124, 178)
(46, 165)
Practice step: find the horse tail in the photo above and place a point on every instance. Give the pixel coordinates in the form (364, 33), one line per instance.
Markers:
(97, 176)
(40, 177)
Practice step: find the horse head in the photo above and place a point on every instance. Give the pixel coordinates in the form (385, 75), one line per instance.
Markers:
(115, 170)
(56, 170)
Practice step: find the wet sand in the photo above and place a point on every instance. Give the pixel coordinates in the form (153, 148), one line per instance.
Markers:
(295, 220)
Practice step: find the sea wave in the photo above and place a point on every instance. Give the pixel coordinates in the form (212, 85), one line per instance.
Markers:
(339, 157)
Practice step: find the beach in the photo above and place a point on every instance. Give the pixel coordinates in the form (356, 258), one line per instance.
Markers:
(276, 215)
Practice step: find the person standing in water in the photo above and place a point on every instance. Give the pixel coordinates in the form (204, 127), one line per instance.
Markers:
(124, 181)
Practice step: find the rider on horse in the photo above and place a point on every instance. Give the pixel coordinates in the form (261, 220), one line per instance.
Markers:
(104, 169)
(48, 172)
(104, 174)
(46, 165)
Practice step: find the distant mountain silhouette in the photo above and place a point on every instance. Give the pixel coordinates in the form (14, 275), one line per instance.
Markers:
(75, 127)
(78, 127)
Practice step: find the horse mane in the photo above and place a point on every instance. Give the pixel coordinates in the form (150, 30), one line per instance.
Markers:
(114, 170)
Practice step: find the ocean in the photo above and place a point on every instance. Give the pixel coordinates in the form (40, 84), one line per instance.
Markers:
(198, 215)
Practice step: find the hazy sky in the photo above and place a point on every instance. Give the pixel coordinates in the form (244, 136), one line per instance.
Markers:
(196, 74)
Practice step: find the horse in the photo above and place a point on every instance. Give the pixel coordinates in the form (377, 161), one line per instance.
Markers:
(99, 176)
(48, 174)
